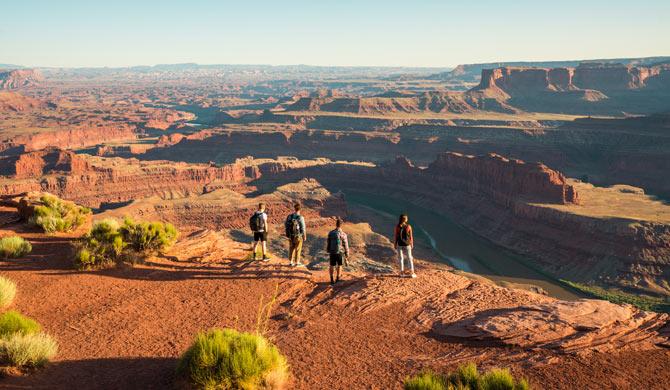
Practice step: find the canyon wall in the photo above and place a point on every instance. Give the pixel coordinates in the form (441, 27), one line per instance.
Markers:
(503, 180)
(571, 89)
(94, 182)
(72, 137)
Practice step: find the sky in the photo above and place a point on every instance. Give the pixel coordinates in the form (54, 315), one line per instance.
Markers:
(422, 33)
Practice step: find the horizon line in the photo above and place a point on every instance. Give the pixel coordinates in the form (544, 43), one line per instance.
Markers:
(330, 66)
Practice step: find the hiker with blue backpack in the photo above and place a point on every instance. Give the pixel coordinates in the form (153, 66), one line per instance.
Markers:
(296, 233)
(259, 226)
(338, 249)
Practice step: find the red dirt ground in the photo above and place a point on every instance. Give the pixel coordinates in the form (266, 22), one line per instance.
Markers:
(125, 328)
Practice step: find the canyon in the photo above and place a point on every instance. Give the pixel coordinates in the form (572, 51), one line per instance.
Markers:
(551, 177)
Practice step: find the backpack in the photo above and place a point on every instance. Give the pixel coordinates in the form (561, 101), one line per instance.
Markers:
(334, 242)
(256, 222)
(293, 228)
(404, 238)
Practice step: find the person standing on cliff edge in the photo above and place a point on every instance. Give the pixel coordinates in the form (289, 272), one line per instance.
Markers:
(259, 226)
(403, 242)
(296, 233)
(338, 250)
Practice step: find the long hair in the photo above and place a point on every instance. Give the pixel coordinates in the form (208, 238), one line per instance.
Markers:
(403, 219)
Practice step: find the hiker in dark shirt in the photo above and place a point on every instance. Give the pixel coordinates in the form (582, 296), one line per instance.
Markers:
(403, 242)
(296, 233)
(338, 249)
(259, 226)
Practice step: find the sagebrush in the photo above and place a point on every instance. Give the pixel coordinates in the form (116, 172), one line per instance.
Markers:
(14, 246)
(466, 377)
(27, 350)
(7, 292)
(110, 242)
(58, 215)
(13, 322)
(228, 359)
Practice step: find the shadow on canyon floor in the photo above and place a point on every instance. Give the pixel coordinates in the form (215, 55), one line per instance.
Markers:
(110, 373)
(54, 256)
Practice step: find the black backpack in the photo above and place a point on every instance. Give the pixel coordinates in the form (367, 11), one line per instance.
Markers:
(404, 238)
(293, 228)
(256, 222)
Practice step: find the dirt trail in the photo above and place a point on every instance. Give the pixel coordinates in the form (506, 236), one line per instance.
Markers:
(125, 328)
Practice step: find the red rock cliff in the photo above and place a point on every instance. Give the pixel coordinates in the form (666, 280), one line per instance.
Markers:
(502, 179)
(35, 164)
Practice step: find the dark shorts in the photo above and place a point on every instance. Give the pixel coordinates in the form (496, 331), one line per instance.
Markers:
(260, 236)
(335, 259)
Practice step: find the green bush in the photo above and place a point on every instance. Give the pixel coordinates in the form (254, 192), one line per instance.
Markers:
(58, 215)
(13, 322)
(27, 350)
(425, 381)
(14, 246)
(109, 242)
(466, 377)
(228, 359)
(7, 292)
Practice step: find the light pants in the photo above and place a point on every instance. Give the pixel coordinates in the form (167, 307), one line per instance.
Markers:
(406, 251)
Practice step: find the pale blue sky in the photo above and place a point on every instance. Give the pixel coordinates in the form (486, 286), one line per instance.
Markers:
(389, 33)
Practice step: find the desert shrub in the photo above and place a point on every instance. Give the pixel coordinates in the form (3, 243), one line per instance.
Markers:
(425, 381)
(27, 350)
(228, 359)
(148, 236)
(58, 215)
(109, 242)
(7, 292)
(14, 246)
(13, 322)
(466, 377)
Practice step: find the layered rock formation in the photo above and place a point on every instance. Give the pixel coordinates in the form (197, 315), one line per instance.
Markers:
(36, 164)
(572, 89)
(503, 180)
(568, 327)
(162, 119)
(427, 102)
(20, 78)
(68, 138)
(94, 181)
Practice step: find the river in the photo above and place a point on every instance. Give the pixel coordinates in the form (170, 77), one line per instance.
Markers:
(460, 247)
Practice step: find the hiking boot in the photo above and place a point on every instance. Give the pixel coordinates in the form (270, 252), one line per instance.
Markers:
(291, 264)
(300, 265)
(413, 275)
(266, 258)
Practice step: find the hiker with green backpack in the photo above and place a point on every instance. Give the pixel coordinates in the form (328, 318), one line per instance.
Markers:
(259, 226)
(296, 233)
(338, 249)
